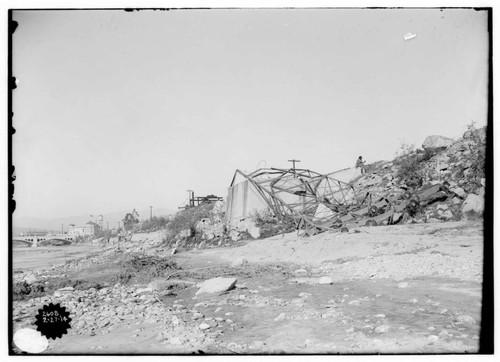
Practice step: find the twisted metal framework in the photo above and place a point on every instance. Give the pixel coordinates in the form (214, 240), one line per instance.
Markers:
(310, 198)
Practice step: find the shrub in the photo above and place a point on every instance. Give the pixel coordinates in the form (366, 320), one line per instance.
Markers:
(155, 223)
(130, 220)
(187, 219)
(410, 170)
(271, 225)
(22, 290)
(472, 215)
(405, 149)
(411, 164)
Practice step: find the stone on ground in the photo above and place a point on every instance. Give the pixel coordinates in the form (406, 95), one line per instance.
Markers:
(239, 262)
(382, 329)
(281, 317)
(473, 203)
(158, 285)
(31, 279)
(217, 285)
(325, 280)
(465, 319)
(204, 326)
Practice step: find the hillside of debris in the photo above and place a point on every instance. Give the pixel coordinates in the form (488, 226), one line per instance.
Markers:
(458, 167)
(451, 175)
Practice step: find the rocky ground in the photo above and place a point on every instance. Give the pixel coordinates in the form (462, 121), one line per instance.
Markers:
(412, 288)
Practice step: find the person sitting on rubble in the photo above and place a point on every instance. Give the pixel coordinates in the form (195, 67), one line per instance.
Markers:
(361, 164)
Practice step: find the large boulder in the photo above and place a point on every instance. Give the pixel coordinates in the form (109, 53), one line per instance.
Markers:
(473, 202)
(217, 285)
(437, 142)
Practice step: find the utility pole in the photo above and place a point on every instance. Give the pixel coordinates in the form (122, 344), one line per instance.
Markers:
(293, 161)
(150, 212)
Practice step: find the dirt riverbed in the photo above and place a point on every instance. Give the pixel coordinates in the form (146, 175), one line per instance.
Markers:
(390, 289)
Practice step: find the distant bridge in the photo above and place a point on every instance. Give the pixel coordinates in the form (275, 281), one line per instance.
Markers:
(33, 240)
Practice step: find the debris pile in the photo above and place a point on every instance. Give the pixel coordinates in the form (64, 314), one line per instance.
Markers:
(145, 267)
(196, 227)
(444, 181)
(212, 227)
(306, 196)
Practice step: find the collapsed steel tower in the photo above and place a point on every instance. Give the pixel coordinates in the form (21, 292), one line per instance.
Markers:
(318, 202)
(310, 198)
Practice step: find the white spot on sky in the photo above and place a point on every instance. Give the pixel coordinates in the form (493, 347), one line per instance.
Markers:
(409, 36)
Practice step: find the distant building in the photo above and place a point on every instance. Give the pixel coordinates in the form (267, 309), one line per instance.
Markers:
(89, 229)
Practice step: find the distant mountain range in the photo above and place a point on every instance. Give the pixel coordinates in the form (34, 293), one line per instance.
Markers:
(25, 224)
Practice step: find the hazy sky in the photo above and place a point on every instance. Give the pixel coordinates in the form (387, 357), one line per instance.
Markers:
(118, 110)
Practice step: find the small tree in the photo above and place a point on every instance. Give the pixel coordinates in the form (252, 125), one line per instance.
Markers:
(405, 149)
(130, 220)
(409, 163)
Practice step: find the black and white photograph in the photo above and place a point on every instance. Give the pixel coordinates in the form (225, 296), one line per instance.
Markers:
(250, 180)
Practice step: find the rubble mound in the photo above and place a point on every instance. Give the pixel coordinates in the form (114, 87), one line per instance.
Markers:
(451, 175)
(443, 181)
(201, 226)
